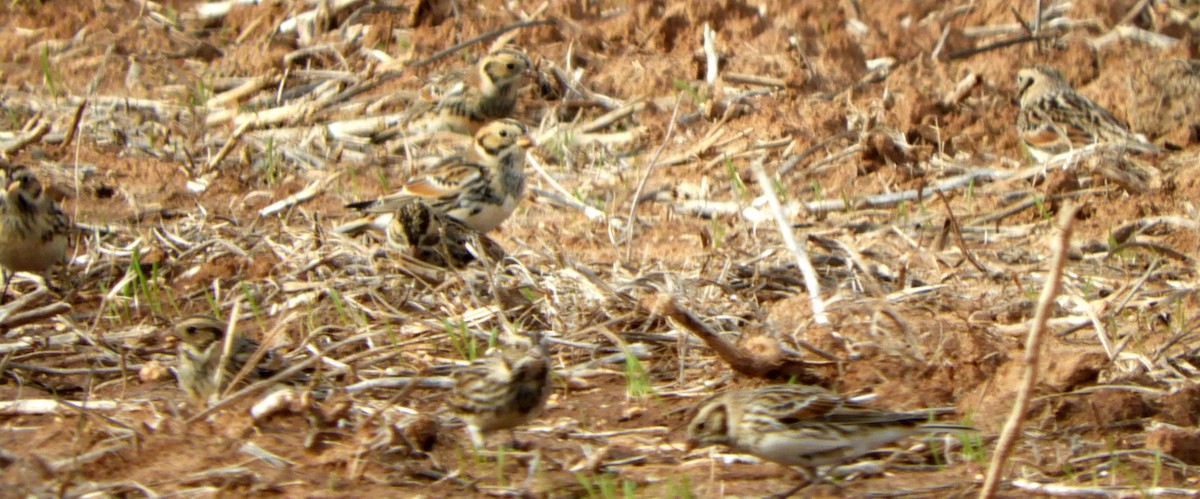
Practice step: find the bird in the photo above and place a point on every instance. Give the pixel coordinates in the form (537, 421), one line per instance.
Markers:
(501, 391)
(800, 425)
(1054, 119)
(201, 346)
(463, 104)
(33, 230)
(478, 189)
(430, 236)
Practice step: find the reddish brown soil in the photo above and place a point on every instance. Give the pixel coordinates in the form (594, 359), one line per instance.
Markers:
(1095, 422)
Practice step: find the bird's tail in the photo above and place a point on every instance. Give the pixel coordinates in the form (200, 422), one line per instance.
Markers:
(375, 223)
(941, 427)
(1141, 144)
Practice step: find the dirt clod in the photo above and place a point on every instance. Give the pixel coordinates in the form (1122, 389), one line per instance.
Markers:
(1182, 444)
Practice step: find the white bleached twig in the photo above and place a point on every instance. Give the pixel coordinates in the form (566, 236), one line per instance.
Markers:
(1058, 489)
(51, 406)
(789, 240)
(591, 212)
(1126, 32)
(710, 55)
(306, 194)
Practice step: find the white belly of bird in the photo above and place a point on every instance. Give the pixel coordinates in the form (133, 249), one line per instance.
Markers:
(804, 449)
(490, 216)
(1039, 156)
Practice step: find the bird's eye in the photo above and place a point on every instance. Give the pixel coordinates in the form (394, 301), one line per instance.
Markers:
(510, 66)
(191, 329)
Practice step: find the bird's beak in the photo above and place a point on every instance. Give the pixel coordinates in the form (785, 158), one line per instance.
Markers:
(13, 186)
(525, 142)
(690, 445)
(170, 337)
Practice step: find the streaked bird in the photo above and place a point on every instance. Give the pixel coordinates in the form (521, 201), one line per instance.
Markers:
(201, 346)
(478, 189)
(1055, 119)
(465, 104)
(33, 230)
(501, 391)
(799, 425)
(430, 236)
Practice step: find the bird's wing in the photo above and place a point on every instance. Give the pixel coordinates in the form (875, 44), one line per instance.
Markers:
(446, 180)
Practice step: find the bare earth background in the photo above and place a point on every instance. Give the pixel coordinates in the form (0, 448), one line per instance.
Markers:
(845, 103)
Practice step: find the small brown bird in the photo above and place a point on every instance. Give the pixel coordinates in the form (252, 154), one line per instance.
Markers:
(464, 105)
(33, 231)
(478, 189)
(201, 345)
(1054, 119)
(799, 425)
(430, 236)
(501, 391)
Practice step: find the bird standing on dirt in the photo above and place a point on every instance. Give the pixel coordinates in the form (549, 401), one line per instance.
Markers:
(799, 425)
(501, 391)
(478, 189)
(1054, 119)
(488, 93)
(201, 347)
(33, 230)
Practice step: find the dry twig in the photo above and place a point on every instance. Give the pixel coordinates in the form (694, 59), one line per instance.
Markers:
(1033, 350)
(748, 363)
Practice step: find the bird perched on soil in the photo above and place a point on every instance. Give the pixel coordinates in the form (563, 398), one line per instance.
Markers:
(1054, 119)
(478, 189)
(464, 104)
(501, 391)
(201, 346)
(33, 230)
(435, 238)
(799, 425)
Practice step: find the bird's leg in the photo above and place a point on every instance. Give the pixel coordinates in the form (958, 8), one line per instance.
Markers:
(63, 270)
(809, 476)
(513, 442)
(534, 465)
(46, 280)
(792, 491)
(477, 440)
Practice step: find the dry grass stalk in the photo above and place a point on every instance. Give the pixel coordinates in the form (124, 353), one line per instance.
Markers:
(1126, 32)
(1067, 490)
(637, 193)
(789, 241)
(280, 376)
(309, 192)
(742, 361)
(1033, 350)
(40, 129)
(53, 406)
